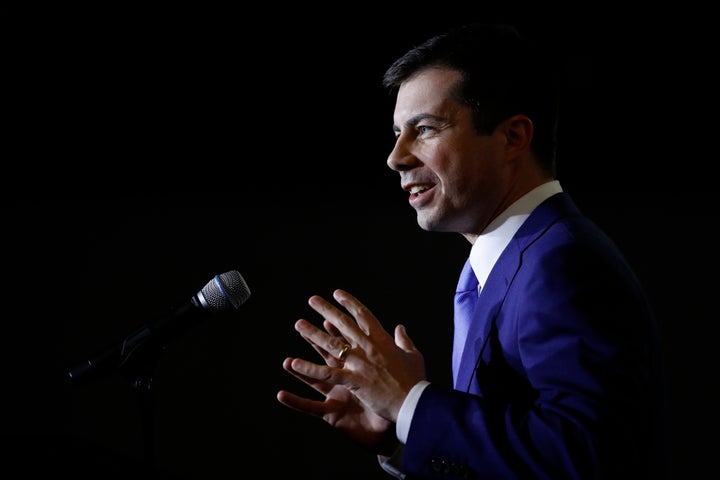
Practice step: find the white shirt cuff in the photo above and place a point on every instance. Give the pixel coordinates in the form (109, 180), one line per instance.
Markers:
(391, 464)
(407, 409)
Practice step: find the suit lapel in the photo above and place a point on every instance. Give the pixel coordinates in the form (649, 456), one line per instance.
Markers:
(486, 309)
(496, 287)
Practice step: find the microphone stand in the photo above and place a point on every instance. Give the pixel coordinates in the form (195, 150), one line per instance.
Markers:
(138, 369)
(135, 360)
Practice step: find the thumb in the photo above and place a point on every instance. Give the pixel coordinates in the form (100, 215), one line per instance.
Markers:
(402, 339)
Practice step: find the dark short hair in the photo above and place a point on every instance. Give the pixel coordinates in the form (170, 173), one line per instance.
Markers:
(503, 73)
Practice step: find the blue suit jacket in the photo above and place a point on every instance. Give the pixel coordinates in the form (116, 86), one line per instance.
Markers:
(560, 377)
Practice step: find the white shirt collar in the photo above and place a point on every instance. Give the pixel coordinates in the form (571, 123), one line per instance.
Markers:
(492, 241)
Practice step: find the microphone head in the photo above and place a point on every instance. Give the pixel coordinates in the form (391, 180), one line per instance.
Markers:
(224, 292)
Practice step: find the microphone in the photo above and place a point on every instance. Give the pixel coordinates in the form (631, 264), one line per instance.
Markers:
(225, 292)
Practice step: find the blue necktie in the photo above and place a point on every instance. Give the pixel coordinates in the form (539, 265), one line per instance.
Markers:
(466, 295)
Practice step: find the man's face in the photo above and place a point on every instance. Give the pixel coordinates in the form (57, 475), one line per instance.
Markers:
(455, 176)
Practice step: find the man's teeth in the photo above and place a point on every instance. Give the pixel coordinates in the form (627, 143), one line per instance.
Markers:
(418, 188)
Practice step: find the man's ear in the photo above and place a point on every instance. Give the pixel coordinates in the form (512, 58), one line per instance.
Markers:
(518, 131)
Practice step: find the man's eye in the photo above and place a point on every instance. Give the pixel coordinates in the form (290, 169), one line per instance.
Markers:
(424, 129)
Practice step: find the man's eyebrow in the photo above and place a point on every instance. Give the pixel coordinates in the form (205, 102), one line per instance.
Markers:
(415, 119)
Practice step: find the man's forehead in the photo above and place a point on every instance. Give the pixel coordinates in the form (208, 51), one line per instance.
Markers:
(426, 93)
(432, 79)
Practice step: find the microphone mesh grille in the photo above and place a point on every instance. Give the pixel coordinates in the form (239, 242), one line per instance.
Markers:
(226, 291)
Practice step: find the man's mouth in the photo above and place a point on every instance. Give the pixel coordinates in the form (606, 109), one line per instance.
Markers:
(418, 189)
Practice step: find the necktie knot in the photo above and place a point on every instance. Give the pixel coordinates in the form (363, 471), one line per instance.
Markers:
(468, 281)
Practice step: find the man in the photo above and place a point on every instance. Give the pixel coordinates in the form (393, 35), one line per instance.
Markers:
(556, 358)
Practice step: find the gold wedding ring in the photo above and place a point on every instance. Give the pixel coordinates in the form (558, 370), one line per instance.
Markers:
(343, 352)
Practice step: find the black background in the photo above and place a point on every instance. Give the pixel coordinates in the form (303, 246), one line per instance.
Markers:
(150, 150)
